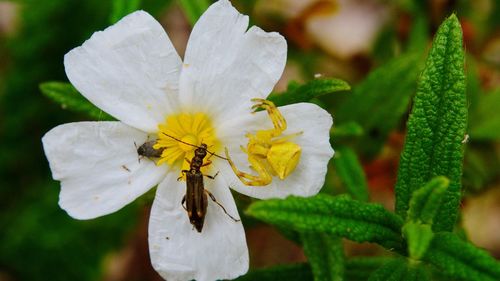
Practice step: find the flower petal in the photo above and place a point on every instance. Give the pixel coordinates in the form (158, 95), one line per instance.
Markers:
(225, 66)
(309, 175)
(179, 252)
(97, 164)
(130, 70)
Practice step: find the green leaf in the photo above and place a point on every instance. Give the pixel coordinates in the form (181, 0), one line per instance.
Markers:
(379, 102)
(473, 88)
(122, 8)
(461, 260)
(360, 268)
(393, 271)
(351, 173)
(69, 98)
(424, 205)
(312, 89)
(340, 216)
(357, 269)
(387, 45)
(347, 129)
(419, 34)
(290, 234)
(419, 237)
(194, 9)
(325, 254)
(298, 272)
(480, 167)
(485, 119)
(426, 201)
(400, 269)
(436, 126)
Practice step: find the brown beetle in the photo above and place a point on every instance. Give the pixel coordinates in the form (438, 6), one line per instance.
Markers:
(196, 195)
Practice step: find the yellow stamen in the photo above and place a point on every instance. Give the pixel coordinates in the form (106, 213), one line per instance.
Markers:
(193, 130)
(188, 139)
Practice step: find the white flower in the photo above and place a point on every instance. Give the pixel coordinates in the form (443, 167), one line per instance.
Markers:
(132, 71)
(348, 28)
(343, 28)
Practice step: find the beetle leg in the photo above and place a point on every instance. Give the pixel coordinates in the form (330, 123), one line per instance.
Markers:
(184, 201)
(183, 172)
(220, 205)
(212, 177)
(207, 162)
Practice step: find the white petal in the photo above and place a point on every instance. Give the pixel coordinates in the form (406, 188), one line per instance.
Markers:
(224, 67)
(309, 175)
(348, 30)
(97, 164)
(179, 252)
(130, 70)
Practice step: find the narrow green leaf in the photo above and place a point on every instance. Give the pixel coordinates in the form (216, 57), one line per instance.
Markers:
(293, 272)
(400, 270)
(424, 204)
(360, 268)
(417, 272)
(387, 46)
(290, 234)
(461, 260)
(69, 98)
(379, 102)
(391, 271)
(122, 8)
(436, 126)
(340, 216)
(480, 167)
(194, 9)
(351, 173)
(419, 34)
(485, 119)
(425, 201)
(347, 129)
(312, 89)
(411, 6)
(473, 88)
(325, 254)
(419, 237)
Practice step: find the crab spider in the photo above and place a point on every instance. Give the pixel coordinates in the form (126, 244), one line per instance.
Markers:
(269, 152)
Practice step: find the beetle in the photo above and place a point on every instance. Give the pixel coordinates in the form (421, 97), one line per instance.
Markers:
(146, 150)
(196, 199)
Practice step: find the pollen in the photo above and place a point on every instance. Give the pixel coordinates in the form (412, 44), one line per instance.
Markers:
(192, 130)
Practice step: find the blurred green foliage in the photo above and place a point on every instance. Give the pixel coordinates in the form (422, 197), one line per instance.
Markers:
(38, 240)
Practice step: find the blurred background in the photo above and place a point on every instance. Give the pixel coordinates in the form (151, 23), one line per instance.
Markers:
(359, 41)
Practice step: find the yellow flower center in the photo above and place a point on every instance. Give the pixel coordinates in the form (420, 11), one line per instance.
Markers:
(181, 134)
(184, 145)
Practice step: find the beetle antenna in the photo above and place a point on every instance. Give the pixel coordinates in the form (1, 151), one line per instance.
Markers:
(211, 153)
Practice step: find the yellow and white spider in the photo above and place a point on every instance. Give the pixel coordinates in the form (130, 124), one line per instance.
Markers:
(270, 153)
